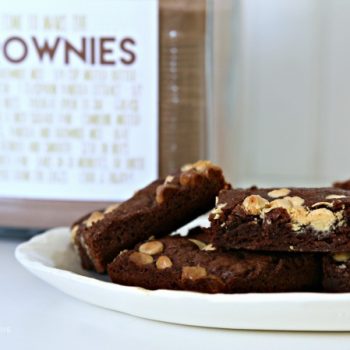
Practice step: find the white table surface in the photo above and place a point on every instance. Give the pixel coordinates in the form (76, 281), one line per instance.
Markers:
(34, 315)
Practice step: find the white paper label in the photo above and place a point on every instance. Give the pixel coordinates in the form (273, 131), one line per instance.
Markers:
(78, 98)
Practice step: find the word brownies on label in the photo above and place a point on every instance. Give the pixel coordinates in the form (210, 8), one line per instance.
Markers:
(93, 50)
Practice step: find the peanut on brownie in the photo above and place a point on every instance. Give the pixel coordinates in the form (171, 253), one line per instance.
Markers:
(193, 264)
(156, 210)
(283, 219)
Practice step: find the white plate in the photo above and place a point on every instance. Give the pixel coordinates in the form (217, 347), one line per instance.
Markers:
(51, 257)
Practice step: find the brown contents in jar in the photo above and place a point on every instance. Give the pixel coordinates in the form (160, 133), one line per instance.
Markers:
(182, 83)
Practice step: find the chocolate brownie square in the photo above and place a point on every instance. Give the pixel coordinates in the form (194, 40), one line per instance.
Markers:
(187, 263)
(283, 219)
(336, 272)
(156, 210)
(344, 185)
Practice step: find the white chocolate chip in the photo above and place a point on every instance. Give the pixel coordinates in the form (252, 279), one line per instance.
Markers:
(93, 218)
(281, 192)
(335, 196)
(341, 257)
(151, 247)
(291, 247)
(163, 262)
(321, 219)
(254, 204)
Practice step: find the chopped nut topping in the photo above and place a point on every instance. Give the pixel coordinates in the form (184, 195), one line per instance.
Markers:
(280, 203)
(296, 201)
(163, 262)
(186, 167)
(218, 210)
(193, 272)
(335, 196)
(299, 217)
(73, 232)
(123, 252)
(93, 218)
(281, 192)
(254, 204)
(151, 247)
(160, 194)
(341, 257)
(163, 192)
(340, 216)
(189, 179)
(169, 179)
(319, 204)
(141, 258)
(198, 243)
(321, 219)
(85, 247)
(200, 166)
(111, 208)
(209, 248)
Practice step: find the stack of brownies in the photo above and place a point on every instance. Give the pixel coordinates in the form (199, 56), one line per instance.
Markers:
(259, 240)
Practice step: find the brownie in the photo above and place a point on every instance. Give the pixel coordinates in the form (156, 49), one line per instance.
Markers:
(156, 210)
(183, 263)
(336, 272)
(78, 242)
(344, 185)
(294, 219)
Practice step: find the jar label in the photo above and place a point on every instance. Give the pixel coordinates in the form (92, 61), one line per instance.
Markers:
(79, 98)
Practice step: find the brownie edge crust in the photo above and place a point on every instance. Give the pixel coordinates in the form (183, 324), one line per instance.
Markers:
(181, 263)
(336, 272)
(156, 210)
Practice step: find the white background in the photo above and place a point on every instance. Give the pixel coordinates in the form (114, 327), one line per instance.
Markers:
(289, 99)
